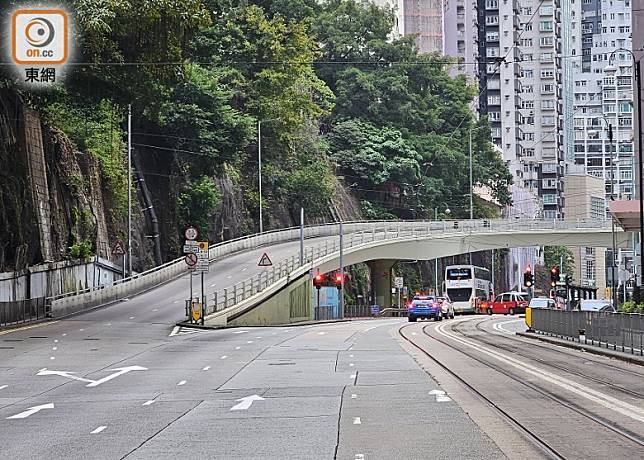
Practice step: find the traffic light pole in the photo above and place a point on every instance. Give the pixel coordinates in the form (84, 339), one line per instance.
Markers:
(341, 293)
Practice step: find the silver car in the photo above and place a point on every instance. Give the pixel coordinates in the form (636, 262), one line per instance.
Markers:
(446, 306)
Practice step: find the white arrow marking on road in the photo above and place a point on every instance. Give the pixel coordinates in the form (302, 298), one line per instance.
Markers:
(351, 364)
(175, 331)
(98, 430)
(207, 368)
(237, 348)
(65, 374)
(119, 371)
(148, 403)
(3, 387)
(224, 357)
(354, 396)
(246, 402)
(31, 411)
(359, 457)
(357, 421)
(352, 376)
(183, 382)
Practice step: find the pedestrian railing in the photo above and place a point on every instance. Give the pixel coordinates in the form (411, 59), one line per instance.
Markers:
(364, 233)
(624, 331)
(22, 311)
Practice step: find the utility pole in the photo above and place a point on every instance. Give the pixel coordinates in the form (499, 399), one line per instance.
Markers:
(436, 259)
(129, 188)
(301, 236)
(613, 285)
(471, 186)
(341, 273)
(638, 77)
(259, 162)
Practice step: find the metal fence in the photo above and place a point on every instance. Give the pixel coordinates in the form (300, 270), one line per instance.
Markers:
(22, 311)
(368, 232)
(624, 331)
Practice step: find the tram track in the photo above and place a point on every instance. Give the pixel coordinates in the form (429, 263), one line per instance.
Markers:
(539, 442)
(568, 370)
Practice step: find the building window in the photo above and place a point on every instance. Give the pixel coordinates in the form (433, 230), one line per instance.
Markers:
(549, 183)
(550, 199)
(545, 26)
(491, 20)
(549, 214)
(547, 88)
(547, 73)
(527, 104)
(597, 207)
(590, 270)
(546, 41)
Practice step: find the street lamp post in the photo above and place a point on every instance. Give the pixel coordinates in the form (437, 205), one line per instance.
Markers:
(447, 211)
(638, 79)
(613, 290)
(259, 162)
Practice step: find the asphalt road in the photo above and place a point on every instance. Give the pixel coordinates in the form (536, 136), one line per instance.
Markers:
(103, 386)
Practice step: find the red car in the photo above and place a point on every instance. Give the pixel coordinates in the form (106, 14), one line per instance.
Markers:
(507, 303)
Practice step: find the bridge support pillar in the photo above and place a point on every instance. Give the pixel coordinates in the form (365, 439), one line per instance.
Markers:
(381, 281)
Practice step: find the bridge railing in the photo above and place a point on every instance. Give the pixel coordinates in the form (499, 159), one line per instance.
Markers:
(624, 331)
(365, 232)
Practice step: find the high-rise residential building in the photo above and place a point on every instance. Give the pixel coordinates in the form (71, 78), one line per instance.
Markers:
(461, 34)
(543, 155)
(498, 77)
(604, 96)
(424, 18)
(397, 6)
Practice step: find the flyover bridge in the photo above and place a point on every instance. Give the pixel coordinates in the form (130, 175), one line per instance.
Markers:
(282, 293)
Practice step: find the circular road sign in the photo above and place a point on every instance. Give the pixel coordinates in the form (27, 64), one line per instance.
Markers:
(191, 233)
(190, 259)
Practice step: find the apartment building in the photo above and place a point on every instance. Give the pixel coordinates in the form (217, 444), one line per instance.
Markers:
(398, 7)
(585, 200)
(604, 96)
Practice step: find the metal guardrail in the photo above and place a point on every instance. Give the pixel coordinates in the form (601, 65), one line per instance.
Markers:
(366, 231)
(360, 233)
(611, 330)
(22, 311)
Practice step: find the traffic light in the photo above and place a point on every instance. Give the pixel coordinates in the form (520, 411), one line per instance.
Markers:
(554, 276)
(528, 277)
(338, 279)
(318, 280)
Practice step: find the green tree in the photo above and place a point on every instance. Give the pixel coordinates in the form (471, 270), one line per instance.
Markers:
(198, 203)
(553, 256)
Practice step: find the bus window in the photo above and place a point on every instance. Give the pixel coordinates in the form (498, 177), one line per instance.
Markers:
(460, 295)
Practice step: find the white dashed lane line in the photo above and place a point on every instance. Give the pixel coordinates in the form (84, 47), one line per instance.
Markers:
(183, 382)
(2, 387)
(357, 421)
(148, 403)
(224, 357)
(207, 368)
(98, 430)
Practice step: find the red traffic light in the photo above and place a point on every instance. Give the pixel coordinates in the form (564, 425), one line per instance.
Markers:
(528, 269)
(318, 280)
(338, 279)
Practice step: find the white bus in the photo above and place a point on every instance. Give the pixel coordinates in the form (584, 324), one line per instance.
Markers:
(466, 286)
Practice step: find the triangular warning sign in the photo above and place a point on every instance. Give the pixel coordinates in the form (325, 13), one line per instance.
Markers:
(265, 261)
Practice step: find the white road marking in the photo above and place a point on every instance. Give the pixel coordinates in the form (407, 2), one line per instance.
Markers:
(239, 332)
(224, 357)
(66, 374)
(207, 368)
(109, 324)
(246, 402)
(359, 457)
(155, 309)
(499, 326)
(119, 371)
(605, 400)
(249, 341)
(229, 276)
(54, 348)
(98, 430)
(183, 382)
(237, 348)
(354, 396)
(79, 330)
(132, 317)
(64, 335)
(442, 398)
(175, 331)
(321, 333)
(213, 285)
(52, 357)
(56, 341)
(31, 411)
(352, 376)
(3, 387)
(258, 337)
(148, 403)
(176, 301)
(351, 364)
(244, 269)
(350, 356)
(413, 333)
(357, 421)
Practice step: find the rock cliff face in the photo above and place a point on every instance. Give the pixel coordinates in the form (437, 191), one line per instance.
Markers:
(50, 193)
(55, 204)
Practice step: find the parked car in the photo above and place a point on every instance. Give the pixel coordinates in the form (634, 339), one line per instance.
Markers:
(542, 302)
(424, 306)
(596, 305)
(507, 303)
(447, 306)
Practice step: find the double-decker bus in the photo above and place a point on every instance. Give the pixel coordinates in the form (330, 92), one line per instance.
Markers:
(466, 286)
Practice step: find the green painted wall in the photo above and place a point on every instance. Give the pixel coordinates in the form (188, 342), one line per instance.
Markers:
(291, 305)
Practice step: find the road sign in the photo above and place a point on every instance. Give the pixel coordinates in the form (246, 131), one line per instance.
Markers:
(191, 259)
(265, 261)
(202, 257)
(398, 282)
(190, 246)
(118, 249)
(191, 233)
(375, 310)
(196, 311)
